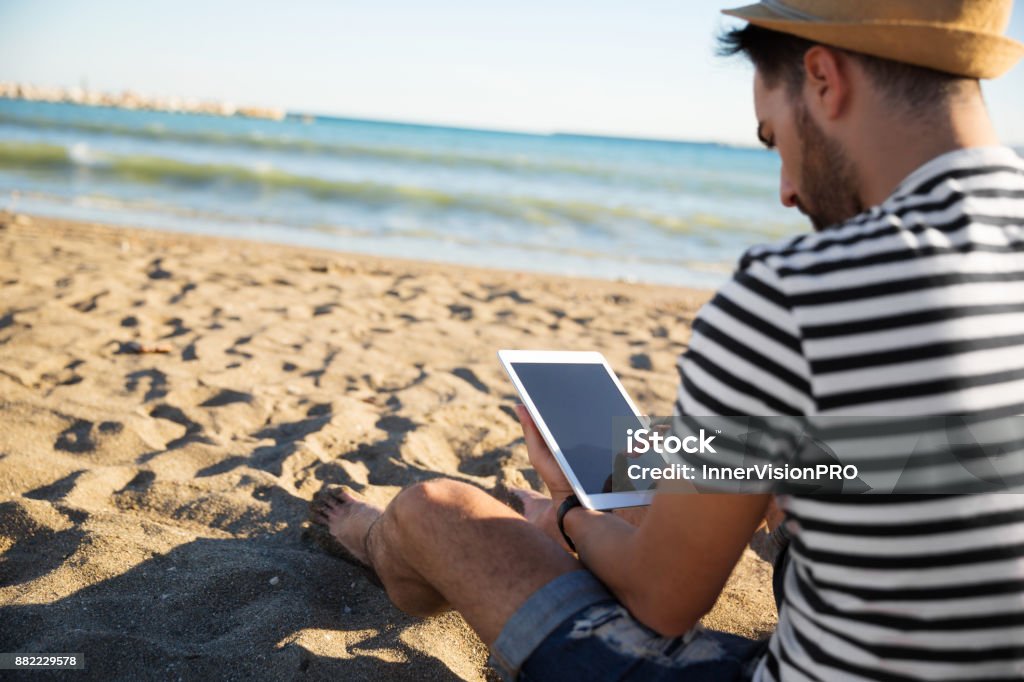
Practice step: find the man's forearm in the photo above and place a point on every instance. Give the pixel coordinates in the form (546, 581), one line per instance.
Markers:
(670, 570)
(603, 544)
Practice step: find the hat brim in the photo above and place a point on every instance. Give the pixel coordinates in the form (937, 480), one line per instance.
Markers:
(964, 53)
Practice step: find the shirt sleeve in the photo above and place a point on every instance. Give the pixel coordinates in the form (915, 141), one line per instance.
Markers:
(745, 356)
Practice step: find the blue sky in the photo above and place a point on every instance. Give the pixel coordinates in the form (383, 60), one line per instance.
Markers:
(640, 68)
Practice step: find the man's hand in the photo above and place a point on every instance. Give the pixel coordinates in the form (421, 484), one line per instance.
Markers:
(539, 510)
(543, 461)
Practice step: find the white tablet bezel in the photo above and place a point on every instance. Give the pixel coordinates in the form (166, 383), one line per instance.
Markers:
(600, 501)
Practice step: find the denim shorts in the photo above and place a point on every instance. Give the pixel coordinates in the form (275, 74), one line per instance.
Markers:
(573, 628)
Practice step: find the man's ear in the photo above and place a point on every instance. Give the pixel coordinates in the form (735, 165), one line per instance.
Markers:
(826, 81)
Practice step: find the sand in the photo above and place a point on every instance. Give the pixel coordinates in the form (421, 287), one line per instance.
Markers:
(152, 504)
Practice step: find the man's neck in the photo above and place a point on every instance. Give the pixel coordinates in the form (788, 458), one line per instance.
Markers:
(894, 149)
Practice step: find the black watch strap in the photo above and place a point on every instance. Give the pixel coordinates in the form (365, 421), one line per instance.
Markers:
(568, 503)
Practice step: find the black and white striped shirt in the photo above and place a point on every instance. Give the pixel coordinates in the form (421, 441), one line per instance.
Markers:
(915, 307)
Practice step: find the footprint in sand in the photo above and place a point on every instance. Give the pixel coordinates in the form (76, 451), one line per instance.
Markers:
(56, 490)
(79, 437)
(641, 361)
(178, 328)
(157, 383)
(88, 305)
(463, 312)
(76, 438)
(177, 298)
(193, 430)
(467, 375)
(227, 397)
(156, 270)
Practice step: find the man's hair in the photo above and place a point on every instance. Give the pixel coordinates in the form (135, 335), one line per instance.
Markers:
(779, 57)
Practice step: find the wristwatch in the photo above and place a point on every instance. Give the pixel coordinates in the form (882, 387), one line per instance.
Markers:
(568, 503)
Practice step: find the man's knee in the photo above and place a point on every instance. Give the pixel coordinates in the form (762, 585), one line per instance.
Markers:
(434, 496)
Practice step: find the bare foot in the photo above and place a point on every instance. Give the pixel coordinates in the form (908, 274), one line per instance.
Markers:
(346, 517)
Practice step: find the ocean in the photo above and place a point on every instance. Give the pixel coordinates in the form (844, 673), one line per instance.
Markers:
(650, 211)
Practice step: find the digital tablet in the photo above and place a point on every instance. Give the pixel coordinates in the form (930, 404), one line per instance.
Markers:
(581, 410)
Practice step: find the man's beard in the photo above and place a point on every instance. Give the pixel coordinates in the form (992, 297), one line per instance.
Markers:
(829, 190)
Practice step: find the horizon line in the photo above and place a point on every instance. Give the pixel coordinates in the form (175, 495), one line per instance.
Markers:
(474, 128)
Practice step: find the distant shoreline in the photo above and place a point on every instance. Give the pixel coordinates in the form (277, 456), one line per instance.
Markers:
(129, 99)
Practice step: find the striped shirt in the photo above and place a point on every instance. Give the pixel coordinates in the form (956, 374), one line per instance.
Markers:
(915, 307)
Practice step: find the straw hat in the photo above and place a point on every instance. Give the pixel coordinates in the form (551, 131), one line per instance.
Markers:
(961, 37)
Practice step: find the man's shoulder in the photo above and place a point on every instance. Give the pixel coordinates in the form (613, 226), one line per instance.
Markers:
(935, 197)
(781, 255)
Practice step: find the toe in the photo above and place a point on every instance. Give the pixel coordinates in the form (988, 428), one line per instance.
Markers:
(323, 502)
(316, 508)
(340, 493)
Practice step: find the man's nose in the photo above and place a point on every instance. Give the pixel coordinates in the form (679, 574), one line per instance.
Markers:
(787, 192)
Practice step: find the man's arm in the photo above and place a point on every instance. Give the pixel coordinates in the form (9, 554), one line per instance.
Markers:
(669, 570)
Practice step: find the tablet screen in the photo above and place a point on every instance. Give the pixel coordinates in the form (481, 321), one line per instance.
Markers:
(578, 403)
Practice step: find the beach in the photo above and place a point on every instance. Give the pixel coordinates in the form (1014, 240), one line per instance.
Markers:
(169, 403)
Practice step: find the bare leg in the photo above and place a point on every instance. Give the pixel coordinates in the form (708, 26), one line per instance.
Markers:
(443, 543)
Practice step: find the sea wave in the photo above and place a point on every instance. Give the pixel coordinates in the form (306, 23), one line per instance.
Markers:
(537, 211)
(509, 163)
(260, 140)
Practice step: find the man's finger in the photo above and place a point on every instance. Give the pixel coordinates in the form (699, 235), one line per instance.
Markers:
(530, 432)
(525, 420)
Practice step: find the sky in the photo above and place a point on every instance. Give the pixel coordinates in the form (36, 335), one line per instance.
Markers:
(638, 68)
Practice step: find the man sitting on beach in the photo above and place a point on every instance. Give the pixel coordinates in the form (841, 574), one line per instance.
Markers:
(907, 300)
